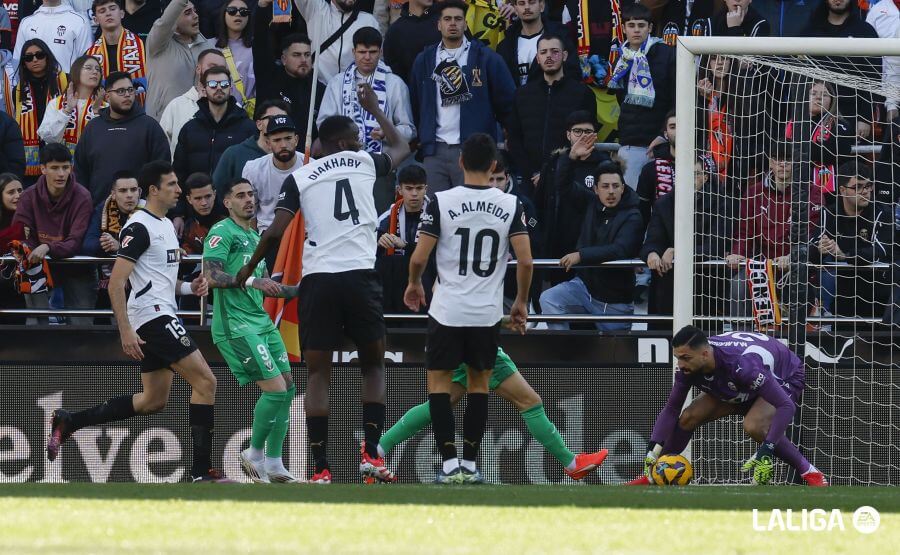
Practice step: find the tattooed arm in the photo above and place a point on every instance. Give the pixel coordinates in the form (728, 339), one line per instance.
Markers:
(218, 278)
(285, 291)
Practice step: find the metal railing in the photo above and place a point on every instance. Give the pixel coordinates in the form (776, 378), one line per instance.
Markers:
(542, 263)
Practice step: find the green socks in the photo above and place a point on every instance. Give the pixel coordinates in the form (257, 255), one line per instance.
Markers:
(546, 433)
(418, 417)
(409, 425)
(275, 439)
(265, 416)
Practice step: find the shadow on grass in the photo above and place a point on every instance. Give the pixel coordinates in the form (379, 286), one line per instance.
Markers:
(885, 499)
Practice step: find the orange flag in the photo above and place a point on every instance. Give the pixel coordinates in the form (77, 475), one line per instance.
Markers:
(288, 270)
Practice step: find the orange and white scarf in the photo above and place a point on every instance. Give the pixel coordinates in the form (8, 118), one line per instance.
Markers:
(25, 114)
(77, 121)
(130, 57)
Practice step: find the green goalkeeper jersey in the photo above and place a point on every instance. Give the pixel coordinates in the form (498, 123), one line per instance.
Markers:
(237, 312)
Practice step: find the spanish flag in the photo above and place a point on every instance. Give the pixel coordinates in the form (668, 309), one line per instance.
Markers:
(288, 270)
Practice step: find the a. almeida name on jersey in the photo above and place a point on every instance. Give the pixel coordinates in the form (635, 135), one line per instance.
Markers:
(479, 206)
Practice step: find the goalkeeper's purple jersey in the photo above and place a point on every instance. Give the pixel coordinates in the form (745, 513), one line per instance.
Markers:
(748, 366)
(745, 362)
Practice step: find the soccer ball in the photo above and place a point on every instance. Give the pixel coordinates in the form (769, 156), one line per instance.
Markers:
(672, 470)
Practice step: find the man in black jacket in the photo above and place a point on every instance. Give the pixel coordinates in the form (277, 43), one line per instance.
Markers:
(409, 35)
(711, 234)
(290, 79)
(540, 108)
(519, 46)
(612, 230)
(12, 150)
(218, 124)
(561, 219)
(122, 138)
(644, 81)
(658, 177)
(860, 232)
(397, 240)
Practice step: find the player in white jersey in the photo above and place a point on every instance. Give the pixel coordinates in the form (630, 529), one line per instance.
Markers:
(472, 227)
(340, 293)
(148, 260)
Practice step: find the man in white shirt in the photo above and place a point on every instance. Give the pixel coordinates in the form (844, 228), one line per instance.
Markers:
(267, 174)
(66, 31)
(323, 20)
(182, 108)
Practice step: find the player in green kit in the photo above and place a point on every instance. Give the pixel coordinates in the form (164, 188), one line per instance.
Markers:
(244, 334)
(507, 382)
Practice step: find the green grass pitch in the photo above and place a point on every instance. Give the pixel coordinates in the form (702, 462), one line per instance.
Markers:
(216, 518)
(219, 518)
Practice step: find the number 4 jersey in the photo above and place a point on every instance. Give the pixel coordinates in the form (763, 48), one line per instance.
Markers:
(336, 195)
(473, 226)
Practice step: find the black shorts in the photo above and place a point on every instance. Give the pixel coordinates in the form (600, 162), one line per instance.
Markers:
(447, 347)
(331, 305)
(165, 341)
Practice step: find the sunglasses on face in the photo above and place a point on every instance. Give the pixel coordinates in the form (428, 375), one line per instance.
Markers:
(223, 84)
(34, 56)
(232, 10)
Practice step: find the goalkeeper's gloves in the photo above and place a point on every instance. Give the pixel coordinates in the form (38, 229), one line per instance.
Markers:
(652, 454)
(762, 464)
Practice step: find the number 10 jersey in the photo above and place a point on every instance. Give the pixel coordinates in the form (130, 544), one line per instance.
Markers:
(336, 196)
(473, 226)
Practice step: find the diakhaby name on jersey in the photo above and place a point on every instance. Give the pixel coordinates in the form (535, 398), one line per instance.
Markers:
(480, 206)
(332, 164)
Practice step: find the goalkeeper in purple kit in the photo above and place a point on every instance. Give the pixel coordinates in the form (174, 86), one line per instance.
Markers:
(743, 373)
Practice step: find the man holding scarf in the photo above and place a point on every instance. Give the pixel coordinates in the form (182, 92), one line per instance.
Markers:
(644, 81)
(393, 98)
(447, 77)
(117, 48)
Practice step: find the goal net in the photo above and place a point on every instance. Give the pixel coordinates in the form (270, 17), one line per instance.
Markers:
(794, 167)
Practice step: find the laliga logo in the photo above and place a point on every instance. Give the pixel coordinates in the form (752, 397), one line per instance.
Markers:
(866, 520)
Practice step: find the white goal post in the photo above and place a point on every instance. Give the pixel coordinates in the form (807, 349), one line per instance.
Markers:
(868, 436)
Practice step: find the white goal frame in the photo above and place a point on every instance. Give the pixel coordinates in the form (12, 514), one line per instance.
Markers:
(688, 49)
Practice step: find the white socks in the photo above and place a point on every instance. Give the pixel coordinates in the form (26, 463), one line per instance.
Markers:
(450, 465)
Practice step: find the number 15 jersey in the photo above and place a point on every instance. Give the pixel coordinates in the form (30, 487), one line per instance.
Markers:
(336, 195)
(473, 226)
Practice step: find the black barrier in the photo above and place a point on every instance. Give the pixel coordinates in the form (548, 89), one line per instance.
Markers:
(593, 408)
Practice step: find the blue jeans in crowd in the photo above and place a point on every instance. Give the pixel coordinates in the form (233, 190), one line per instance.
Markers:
(573, 297)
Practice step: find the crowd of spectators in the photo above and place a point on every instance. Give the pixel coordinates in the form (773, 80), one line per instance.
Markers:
(223, 89)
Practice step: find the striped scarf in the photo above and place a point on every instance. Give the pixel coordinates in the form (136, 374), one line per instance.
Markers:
(130, 57)
(25, 114)
(111, 221)
(351, 108)
(632, 73)
(397, 225)
(77, 121)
